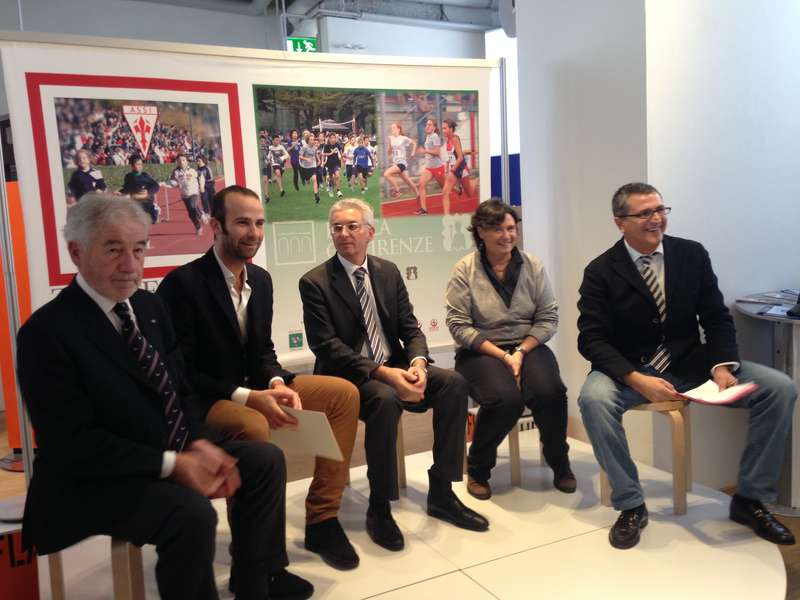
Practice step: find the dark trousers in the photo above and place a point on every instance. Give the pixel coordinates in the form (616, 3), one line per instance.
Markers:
(296, 175)
(182, 525)
(501, 403)
(446, 394)
(190, 202)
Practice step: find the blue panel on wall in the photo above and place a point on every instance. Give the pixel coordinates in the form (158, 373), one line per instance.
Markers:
(514, 179)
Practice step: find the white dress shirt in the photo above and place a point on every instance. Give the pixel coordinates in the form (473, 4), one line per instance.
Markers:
(240, 300)
(107, 306)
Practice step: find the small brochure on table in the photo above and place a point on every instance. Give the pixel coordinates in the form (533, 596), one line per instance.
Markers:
(312, 435)
(709, 393)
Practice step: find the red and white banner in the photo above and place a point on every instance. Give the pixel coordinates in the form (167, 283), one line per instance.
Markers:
(142, 121)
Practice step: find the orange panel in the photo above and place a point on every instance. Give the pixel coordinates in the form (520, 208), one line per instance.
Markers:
(24, 300)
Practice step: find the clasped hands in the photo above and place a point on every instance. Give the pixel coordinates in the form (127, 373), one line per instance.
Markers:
(408, 383)
(207, 469)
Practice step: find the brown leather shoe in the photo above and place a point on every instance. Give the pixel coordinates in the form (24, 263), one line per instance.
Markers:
(479, 489)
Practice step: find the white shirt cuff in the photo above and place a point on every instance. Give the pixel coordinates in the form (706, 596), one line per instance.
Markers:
(274, 379)
(240, 395)
(733, 364)
(168, 463)
(419, 357)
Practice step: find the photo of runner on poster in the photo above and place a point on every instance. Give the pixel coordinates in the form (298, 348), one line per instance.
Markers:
(406, 153)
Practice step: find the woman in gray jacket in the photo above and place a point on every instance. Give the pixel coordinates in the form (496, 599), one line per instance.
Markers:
(501, 312)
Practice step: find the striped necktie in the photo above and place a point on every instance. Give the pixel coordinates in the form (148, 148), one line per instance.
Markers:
(661, 358)
(149, 361)
(370, 320)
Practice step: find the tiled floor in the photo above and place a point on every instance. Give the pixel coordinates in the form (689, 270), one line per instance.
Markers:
(541, 544)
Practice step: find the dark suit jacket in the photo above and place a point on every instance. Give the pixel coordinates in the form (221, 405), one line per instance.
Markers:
(217, 359)
(99, 424)
(335, 324)
(619, 327)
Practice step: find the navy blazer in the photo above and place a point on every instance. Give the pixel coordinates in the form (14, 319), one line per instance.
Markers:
(218, 359)
(99, 423)
(619, 325)
(334, 321)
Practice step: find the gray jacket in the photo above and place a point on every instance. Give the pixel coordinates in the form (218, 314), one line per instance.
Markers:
(476, 312)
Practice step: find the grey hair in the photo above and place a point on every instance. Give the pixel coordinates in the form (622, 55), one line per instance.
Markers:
(94, 211)
(355, 204)
(619, 202)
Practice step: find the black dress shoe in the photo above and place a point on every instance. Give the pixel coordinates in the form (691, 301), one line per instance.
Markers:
(327, 538)
(384, 531)
(452, 510)
(753, 514)
(564, 481)
(625, 532)
(286, 586)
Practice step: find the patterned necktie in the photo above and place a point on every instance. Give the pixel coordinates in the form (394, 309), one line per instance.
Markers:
(149, 361)
(370, 320)
(661, 358)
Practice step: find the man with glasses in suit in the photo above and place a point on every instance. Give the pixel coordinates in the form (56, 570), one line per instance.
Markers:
(640, 305)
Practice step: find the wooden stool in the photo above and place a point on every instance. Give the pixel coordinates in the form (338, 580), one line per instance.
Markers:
(524, 423)
(678, 412)
(126, 572)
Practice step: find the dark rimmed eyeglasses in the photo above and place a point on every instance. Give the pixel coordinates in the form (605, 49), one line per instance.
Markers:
(644, 215)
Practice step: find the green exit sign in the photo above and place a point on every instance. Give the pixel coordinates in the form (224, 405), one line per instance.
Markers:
(301, 44)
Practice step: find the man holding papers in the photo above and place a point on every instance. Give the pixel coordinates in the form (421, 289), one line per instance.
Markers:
(222, 309)
(640, 304)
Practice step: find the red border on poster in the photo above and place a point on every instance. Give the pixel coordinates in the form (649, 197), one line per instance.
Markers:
(34, 81)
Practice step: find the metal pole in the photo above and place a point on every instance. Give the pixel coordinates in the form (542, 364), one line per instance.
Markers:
(14, 321)
(504, 166)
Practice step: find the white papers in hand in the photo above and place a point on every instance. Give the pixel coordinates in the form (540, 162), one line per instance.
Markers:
(709, 393)
(311, 436)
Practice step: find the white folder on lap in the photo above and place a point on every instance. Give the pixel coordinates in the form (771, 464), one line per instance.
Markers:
(312, 435)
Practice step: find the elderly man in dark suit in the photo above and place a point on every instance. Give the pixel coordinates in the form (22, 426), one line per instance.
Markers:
(221, 305)
(640, 304)
(120, 452)
(360, 325)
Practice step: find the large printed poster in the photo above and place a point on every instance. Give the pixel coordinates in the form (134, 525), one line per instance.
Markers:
(105, 134)
(412, 155)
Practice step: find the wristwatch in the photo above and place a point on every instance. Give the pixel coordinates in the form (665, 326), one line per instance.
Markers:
(520, 349)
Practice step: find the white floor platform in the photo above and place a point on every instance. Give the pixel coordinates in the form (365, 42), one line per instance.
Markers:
(541, 544)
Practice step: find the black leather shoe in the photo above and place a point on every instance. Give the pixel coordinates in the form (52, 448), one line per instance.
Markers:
(452, 510)
(753, 514)
(327, 538)
(286, 586)
(384, 531)
(564, 481)
(625, 532)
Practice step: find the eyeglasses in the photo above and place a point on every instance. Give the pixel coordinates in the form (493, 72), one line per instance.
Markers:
(352, 227)
(644, 215)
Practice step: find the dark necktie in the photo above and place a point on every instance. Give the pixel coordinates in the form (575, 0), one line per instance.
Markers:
(370, 319)
(661, 358)
(155, 371)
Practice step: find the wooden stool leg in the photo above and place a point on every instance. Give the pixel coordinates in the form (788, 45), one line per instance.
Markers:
(687, 426)
(605, 489)
(401, 456)
(465, 452)
(678, 462)
(56, 567)
(513, 452)
(126, 571)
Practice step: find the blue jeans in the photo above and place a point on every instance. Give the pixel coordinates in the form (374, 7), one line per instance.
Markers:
(603, 401)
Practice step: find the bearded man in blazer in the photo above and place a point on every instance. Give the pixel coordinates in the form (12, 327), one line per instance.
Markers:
(640, 305)
(120, 450)
(360, 325)
(221, 305)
